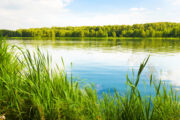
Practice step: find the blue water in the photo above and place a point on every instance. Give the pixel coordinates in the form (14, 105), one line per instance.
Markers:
(106, 79)
(106, 63)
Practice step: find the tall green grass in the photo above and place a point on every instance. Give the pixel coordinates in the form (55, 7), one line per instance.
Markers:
(31, 89)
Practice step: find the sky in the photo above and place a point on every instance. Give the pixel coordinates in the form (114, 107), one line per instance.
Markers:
(16, 14)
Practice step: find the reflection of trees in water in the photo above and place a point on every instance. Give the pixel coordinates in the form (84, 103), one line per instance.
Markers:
(135, 45)
(153, 45)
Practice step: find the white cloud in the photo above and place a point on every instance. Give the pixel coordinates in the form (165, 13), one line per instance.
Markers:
(47, 13)
(137, 9)
(109, 19)
(175, 2)
(28, 13)
(132, 16)
(16, 14)
(158, 8)
(172, 75)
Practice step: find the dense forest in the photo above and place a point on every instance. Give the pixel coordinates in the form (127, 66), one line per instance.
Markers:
(162, 29)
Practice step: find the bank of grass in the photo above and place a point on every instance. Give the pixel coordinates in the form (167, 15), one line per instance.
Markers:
(31, 89)
(94, 38)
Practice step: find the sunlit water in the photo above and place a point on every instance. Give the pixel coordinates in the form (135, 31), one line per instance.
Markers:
(106, 63)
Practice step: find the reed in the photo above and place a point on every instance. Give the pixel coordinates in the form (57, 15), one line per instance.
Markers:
(30, 88)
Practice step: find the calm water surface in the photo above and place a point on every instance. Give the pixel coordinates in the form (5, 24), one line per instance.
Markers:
(107, 62)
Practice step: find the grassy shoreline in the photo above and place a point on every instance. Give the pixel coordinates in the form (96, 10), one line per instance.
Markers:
(97, 38)
(31, 89)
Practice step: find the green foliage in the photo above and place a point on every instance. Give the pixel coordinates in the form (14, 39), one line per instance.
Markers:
(162, 29)
(31, 89)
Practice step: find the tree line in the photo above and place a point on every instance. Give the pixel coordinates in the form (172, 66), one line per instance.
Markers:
(161, 29)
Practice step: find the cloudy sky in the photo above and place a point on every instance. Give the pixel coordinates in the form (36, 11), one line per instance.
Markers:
(15, 14)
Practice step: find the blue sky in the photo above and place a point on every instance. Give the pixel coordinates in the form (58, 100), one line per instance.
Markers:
(15, 14)
(111, 5)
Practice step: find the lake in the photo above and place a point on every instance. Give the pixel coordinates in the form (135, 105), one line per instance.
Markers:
(106, 62)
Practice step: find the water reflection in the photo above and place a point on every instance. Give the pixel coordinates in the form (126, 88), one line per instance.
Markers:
(135, 45)
(106, 62)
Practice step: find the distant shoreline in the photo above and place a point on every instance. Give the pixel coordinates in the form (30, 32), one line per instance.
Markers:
(149, 30)
(97, 38)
